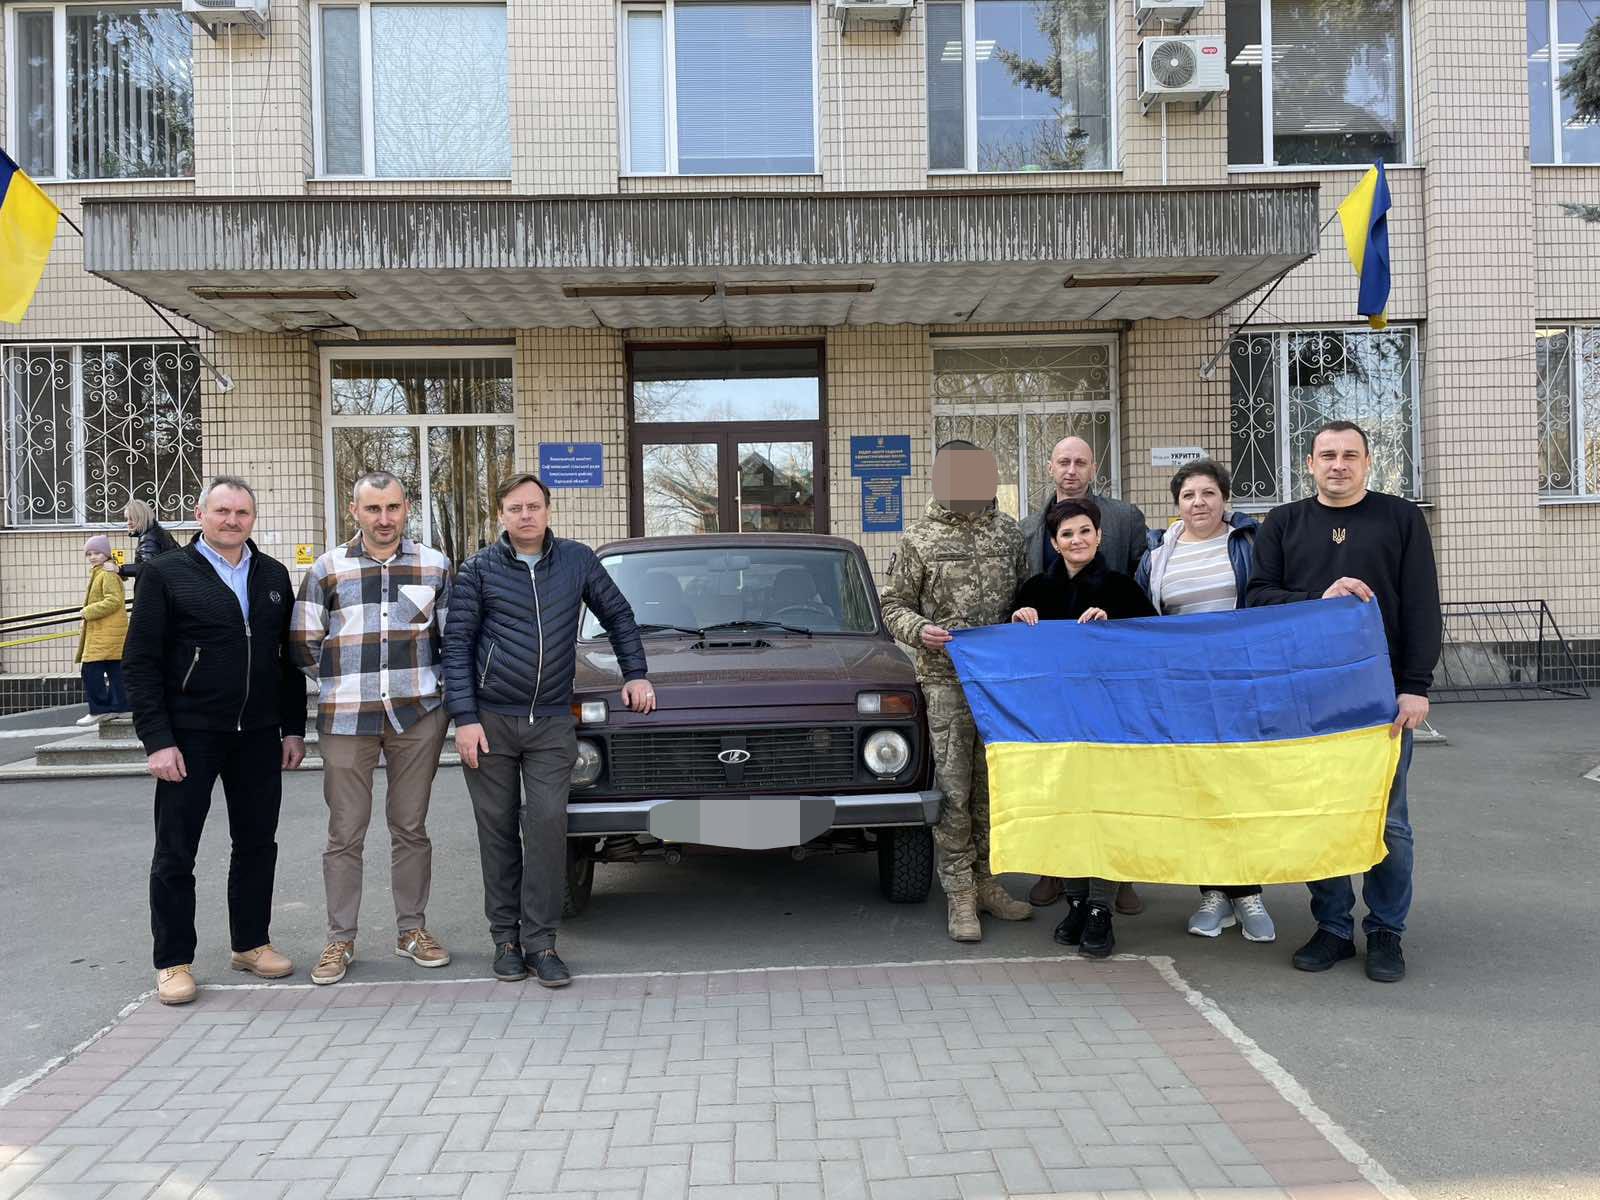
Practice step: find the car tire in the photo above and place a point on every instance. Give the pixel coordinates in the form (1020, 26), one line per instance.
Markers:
(905, 863)
(580, 877)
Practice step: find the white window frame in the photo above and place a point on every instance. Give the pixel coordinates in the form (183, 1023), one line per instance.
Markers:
(1553, 66)
(369, 151)
(1268, 150)
(333, 504)
(76, 432)
(1579, 464)
(1281, 408)
(1112, 405)
(58, 36)
(969, 98)
(669, 43)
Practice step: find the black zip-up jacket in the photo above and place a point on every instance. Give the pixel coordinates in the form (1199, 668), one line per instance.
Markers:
(191, 663)
(511, 640)
(153, 543)
(1062, 597)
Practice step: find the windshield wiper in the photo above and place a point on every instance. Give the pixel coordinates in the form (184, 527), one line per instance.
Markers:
(648, 628)
(757, 625)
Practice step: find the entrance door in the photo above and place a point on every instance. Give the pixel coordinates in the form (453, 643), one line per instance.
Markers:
(728, 440)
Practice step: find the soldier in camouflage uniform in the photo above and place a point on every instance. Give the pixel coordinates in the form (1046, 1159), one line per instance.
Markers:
(958, 567)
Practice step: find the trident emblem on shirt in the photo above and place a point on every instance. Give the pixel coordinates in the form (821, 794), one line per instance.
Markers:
(1338, 536)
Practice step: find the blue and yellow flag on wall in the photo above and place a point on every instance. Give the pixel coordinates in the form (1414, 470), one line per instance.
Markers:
(1223, 748)
(1364, 214)
(27, 231)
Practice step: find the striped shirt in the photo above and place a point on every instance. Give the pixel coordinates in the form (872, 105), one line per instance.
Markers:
(371, 633)
(1200, 578)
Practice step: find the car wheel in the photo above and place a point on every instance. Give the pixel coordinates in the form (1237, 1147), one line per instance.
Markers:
(580, 877)
(905, 863)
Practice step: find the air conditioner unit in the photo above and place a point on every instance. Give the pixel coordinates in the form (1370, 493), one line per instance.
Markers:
(862, 14)
(1167, 11)
(212, 15)
(1181, 68)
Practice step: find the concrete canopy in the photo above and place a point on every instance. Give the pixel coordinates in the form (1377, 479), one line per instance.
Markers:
(926, 258)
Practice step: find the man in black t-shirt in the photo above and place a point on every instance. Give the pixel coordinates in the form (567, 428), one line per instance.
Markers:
(1347, 541)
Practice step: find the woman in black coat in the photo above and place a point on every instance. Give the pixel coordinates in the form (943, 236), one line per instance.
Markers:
(1078, 586)
(153, 539)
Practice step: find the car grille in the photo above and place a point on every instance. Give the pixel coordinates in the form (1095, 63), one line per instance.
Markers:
(790, 757)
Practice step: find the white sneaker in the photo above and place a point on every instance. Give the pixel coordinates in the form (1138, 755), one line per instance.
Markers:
(1213, 916)
(90, 719)
(1254, 920)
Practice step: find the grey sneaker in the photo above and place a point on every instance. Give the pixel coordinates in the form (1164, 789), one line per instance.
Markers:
(1213, 916)
(1255, 922)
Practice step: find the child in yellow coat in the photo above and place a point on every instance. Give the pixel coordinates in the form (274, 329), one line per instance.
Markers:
(105, 627)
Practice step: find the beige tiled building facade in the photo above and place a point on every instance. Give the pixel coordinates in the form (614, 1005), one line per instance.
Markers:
(718, 239)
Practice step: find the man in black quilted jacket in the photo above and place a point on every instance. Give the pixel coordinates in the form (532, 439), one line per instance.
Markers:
(510, 652)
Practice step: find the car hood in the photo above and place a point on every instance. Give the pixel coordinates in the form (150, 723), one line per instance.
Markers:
(799, 670)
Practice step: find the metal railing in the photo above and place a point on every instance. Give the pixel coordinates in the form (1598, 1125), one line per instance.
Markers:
(45, 619)
(1504, 650)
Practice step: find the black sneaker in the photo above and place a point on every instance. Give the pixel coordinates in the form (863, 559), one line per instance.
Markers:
(1070, 931)
(1098, 940)
(548, 967)
(1323, 951)
(1385, 963)
(508, 964)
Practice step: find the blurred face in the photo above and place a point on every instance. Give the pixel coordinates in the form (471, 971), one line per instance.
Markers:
(965, 480)
(1072, 468)
(1077, 540)
(1339, 462)
(381, 514)
(227, 518)
(1201, 505)
(525, 516)
(96, 558)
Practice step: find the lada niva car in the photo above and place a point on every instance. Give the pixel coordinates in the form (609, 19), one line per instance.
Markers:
(786, 717)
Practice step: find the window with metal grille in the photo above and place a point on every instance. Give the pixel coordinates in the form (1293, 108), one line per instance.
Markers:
(1568, 364)
(90, 427)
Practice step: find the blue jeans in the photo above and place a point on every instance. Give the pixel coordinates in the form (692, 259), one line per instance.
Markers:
(1386, 888)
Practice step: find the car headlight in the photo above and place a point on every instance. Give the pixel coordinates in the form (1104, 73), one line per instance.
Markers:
(886, 753)
(587, 767)
(591, 712)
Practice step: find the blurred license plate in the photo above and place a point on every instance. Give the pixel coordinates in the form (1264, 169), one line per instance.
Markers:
(743, 822)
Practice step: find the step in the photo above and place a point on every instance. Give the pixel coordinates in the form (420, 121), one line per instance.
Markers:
(95, 747)
(88, 757)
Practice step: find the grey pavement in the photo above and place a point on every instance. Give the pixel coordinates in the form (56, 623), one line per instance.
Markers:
(1473, 1078)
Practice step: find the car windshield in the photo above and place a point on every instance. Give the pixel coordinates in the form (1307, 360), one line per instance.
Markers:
(690, 587)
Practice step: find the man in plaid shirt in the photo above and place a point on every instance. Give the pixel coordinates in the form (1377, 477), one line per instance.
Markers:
(368, 626)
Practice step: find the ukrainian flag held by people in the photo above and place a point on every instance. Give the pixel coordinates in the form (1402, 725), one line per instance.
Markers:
(1221, 748)
(27, 231)
(1364, 216)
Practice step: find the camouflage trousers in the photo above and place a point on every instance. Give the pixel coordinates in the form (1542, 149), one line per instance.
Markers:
(961, 838)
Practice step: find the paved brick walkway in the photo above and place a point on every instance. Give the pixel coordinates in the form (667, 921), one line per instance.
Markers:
(929, 1082)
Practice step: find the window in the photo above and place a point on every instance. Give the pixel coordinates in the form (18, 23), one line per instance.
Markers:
(90, 427)
(712, 88)
(100, 92)
(1020, 400)
(1558, 137)
(1288, 385)
(1019, 85)
(1569, 411)
(412, 91)
(1315, 83)
(439, 420)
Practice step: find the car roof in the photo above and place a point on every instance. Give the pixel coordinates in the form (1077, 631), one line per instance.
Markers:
(732, 541)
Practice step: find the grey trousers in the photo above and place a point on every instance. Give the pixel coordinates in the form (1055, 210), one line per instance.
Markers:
(519, 796)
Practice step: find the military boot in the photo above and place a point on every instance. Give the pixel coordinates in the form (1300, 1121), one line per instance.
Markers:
(964, 925)
(997, 902)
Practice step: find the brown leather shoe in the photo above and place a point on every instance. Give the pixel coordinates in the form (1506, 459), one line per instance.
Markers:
(335, 961)
(1046, 892)
(1128, 902)
(422, 948)
(175, 985)
(263, 962)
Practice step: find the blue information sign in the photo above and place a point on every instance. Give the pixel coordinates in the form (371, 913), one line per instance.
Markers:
(570, 464)
(881, 454)
(881, 504)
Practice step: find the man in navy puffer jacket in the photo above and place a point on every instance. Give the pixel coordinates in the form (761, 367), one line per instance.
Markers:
(510, 652)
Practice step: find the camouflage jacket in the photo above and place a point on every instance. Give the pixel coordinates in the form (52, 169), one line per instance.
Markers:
(954, 570)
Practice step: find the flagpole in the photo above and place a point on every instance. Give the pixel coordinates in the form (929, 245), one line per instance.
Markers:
(224, 382)
(1210, 366)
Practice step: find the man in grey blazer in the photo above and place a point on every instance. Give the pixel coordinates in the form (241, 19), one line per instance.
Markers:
(1124, 538)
